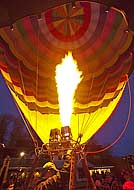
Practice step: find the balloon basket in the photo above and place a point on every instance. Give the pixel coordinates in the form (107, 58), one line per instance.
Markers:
(60, 141)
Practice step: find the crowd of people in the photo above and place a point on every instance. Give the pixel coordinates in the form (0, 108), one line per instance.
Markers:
(51, 178)
(109, 181)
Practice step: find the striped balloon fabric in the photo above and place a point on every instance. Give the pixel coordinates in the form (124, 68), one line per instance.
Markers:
(99, 40)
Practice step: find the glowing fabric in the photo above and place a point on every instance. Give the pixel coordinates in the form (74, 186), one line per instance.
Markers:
(98, 40)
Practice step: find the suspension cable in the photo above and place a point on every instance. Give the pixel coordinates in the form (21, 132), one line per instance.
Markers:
(37, 73)
(95, 115)
(124, 129)
(83, 126)
(27, 125)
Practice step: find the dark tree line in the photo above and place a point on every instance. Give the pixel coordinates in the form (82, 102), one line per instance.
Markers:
(14, 134)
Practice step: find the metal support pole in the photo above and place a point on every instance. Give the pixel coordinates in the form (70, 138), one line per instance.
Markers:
(72, 181)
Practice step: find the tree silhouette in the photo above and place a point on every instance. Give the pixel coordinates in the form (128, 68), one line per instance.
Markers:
(13, 133)
(5, 123)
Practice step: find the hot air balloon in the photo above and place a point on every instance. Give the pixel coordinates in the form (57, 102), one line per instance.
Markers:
(32, 47)
(35, 44)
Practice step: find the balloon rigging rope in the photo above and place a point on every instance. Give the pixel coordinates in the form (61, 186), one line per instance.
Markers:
(23, 86)
(90, 119)
(78, 124)
(37, 73)
(22, 116)
(122, 132)
(26, 124)
(96, 113)
(88, 97)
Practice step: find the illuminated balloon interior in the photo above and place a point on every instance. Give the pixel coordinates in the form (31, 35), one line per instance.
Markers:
(102, 45)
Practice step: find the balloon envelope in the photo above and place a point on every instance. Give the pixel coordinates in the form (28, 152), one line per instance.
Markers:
(99, 41)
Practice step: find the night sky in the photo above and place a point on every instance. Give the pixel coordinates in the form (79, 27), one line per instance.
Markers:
(108, 133)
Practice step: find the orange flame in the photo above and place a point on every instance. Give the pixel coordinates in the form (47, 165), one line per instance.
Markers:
(67, 78)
